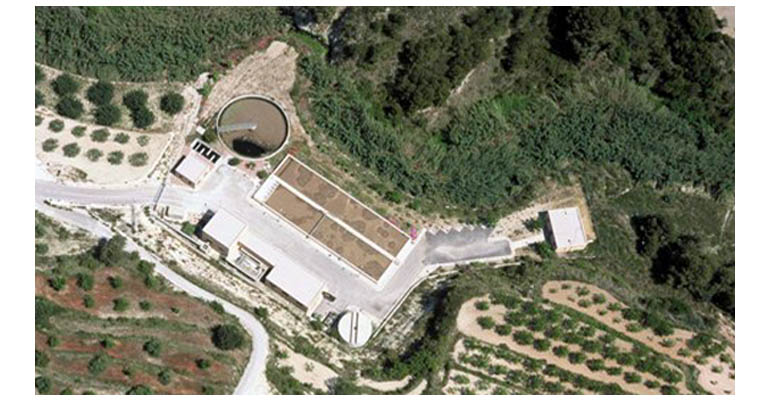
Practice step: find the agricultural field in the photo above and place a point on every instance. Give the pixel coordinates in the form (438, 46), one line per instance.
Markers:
(106, 324)
(93, 153)
(590, 344)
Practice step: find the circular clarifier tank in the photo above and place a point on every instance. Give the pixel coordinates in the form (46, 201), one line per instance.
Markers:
(253, 126)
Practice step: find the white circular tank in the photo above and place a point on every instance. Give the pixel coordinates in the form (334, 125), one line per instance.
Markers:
(355, 328)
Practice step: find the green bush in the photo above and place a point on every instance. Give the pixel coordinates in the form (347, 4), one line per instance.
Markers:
(115, 157)
(523, 337)
(542, 344)
(576, 357)
(227, 337)
(172, 103)
(88, 301)
(50, 145)
(65, 85)
(98, 364)
(38, 120)
(632, 377)
(108, 114)
(56, 125)
(120, 304)
(261, 174)
(233, 161)
(138, 159)
(52, 341)
(85, 281)
(595, 364)
(153, 347)
(486, 322)
(108, 343)
(503, 329)
(142, 117)
(42, 384)
(561, 351)
(164, 377)
(71, 150)
(57, 282)
(39, 75)
(94, 154)
(598, 298)
(100, 93)
(122, 138)
(41, 248)
(100, 135)
(41, 359)
(70, 107)
(203, 363)
(139, 390)
(116, 282)
(135, 99)
(79, 131)
(143, 140)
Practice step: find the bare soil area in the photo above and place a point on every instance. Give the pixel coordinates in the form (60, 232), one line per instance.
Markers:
(353, 249)
(269, 73)
(306, 370)
(343, 206)
(512, 226)
(729, 14)
(296, 210)
(714, 375)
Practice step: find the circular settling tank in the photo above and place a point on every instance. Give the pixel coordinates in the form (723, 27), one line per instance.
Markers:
(253, 126)
(355, 328)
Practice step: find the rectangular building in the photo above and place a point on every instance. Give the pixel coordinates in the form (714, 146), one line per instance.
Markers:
(565, 230)
(222, 231)
(302, 288)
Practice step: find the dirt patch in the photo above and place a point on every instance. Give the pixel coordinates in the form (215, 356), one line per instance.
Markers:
(269, 73)
(350, 247)
(306, 370)
(467, 324)
(342, 206)
(296, 210)
(727, 13)
(714, 375)
(512, 226)
(385, 386)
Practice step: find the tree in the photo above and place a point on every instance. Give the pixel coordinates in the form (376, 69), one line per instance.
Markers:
(143, 140)
(145, 305)
(85, 281)
(88, 301)
(135, 99)
(138, 159)
(164, 377)
(115, 157)
(100, 93)
(71, 150)
(39, 75)
(172, 103)
(108, 114)
(42, 384)
(98, 364)
(116, 282)
(100, 135)
(152, 347)
(94, 154)
(227, 337)
(79, 131)
(111, 252)
(139, 390)
(50, 145)
(65, 85)
(39, 98)
(41, 359)
(142, 117)
(70, 107)
(120, 304)
(56, 125)
(203, 363)
(486, 322)
(652, 231)
(122, 138)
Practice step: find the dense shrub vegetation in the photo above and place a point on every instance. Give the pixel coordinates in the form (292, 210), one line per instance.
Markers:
(146, 43)
(100, 93)
(172, 103)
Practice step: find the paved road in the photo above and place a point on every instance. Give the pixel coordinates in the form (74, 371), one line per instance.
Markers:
(253, 380)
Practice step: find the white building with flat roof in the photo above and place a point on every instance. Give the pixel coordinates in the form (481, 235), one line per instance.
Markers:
(223, 231)
(565, 230)
(193, 169)
(303, 288)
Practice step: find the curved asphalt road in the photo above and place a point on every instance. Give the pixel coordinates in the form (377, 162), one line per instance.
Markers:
(253, 380)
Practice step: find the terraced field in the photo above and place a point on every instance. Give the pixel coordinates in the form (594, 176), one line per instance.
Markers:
(520, 345)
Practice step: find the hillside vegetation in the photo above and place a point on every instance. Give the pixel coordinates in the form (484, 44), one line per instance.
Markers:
(106, 323)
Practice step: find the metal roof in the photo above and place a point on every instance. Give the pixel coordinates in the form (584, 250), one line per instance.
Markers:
(566, 227)
(296, 282)
(193, 167)
(224, 228)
